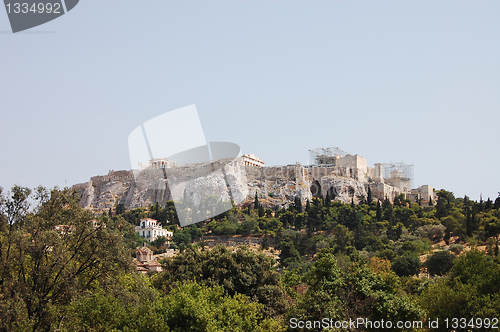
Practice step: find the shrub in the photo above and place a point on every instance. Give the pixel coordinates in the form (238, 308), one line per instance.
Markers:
(456, 248)
(407, 265)
(440, 262)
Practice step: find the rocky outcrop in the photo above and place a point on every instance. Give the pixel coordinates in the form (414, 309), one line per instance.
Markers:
(276, 187)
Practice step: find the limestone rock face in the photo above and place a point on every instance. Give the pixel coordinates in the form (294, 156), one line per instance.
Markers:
(343, 189)
(87, 196)
(277, 193)
(276, 187)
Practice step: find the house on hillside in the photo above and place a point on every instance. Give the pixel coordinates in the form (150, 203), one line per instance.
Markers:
(150, 230)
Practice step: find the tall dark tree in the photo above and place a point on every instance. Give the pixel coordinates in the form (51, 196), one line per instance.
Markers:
(369, 198)
(328, 199)
(488, 205)
(120, 209)
(388, 210)
(497, 202)
(471, 220)
(444, 203)
(261, 211)
(298, 204)
(308, 206)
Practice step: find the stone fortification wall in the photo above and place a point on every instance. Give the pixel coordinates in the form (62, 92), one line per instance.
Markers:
(425, 193)
(112, 176)
(404, 184)
(272, 172)
(383, 190)
(319, 171)
(351, 161)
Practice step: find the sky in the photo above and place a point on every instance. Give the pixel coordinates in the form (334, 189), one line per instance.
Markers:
(411, 81)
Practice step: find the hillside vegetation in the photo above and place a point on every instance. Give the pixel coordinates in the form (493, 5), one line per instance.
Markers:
(64, 269)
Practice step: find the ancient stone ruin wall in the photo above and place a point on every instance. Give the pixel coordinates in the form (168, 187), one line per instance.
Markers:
(425, 193)
(383, 190)
(272, 172)
(121, 176)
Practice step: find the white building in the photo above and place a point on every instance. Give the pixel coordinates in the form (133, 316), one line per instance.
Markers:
(252, 160)
(157, 163)
(150, 230)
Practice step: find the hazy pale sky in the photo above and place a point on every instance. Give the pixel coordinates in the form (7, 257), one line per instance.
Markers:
(412, 81)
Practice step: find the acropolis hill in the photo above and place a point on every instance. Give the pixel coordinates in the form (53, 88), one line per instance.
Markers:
(334, 172)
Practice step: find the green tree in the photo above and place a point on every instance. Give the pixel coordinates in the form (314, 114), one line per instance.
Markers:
(244, 272)
(120, 209)
(297, 204)
(444, 203)
(200, 308)
(125, 303)
(406, 265)
(159, 242)
(182, 237)
(471, 289)
(356, 290)
(47, 257)
(440, 262)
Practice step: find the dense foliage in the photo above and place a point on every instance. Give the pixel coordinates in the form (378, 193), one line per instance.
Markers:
(64, 269)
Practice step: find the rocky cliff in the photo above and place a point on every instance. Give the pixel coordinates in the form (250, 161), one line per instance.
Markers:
(275, 186)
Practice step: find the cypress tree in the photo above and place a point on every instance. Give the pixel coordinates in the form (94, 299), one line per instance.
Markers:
(261, 211)
(489, 204)
(369, 198)
(497, 202)
(256, 202)
(298, 204)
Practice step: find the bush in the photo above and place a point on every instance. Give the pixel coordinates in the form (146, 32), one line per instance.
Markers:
(432, 232)
(456, 248)
(322, 244)
(406, 266)
(440, 263)
(387, 254)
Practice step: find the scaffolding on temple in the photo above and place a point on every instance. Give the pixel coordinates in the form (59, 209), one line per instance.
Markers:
(315, 154)
(398, 170)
